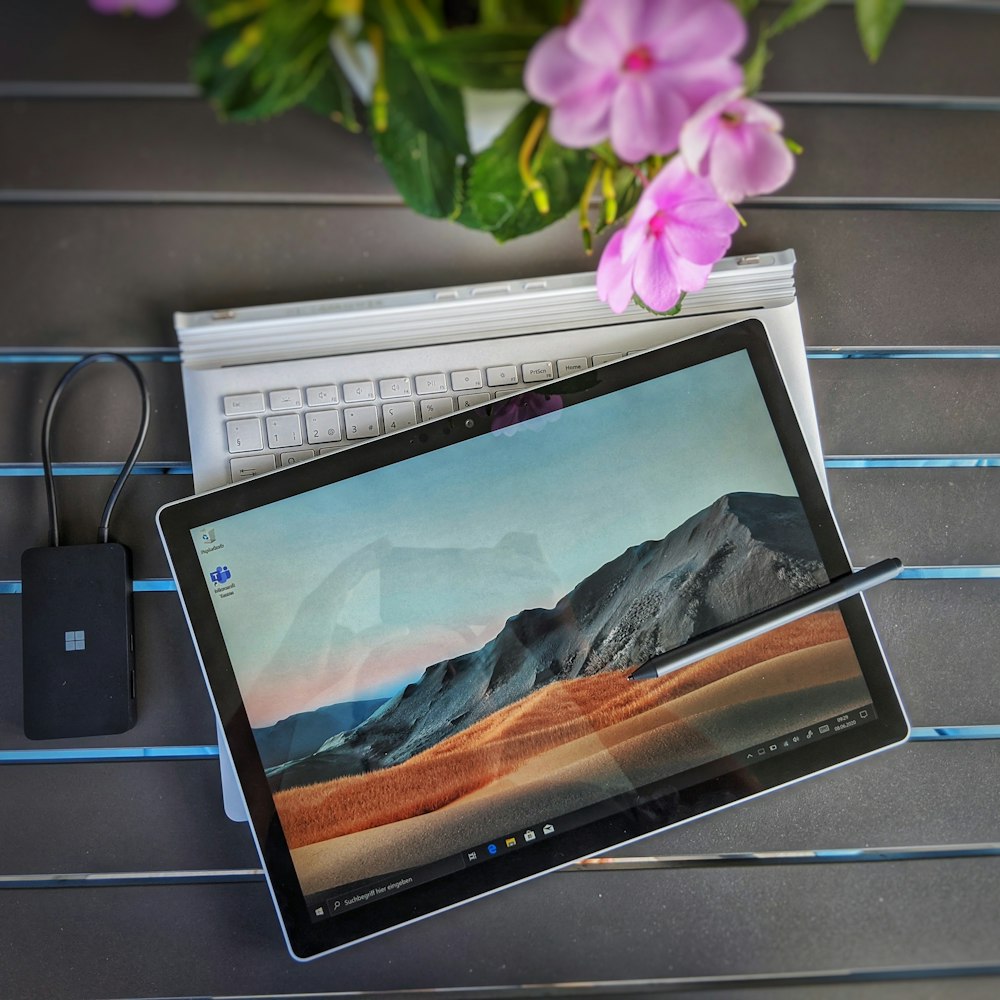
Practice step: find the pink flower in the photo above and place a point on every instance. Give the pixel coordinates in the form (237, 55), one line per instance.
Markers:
(634, 70)
(736, 142)
(145, 8)
(679, 229)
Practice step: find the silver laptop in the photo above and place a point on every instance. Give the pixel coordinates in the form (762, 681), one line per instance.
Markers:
(272, 386)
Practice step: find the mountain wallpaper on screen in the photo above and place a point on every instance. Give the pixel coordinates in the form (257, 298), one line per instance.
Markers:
(742, 554)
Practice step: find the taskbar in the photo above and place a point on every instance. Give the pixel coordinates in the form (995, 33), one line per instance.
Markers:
(808, 734)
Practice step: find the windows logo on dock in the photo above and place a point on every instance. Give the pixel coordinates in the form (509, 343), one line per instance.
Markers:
(76, 640)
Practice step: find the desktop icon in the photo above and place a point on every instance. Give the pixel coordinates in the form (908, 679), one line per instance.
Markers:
(220, 574)
(511, 841)
(472, 855)
(319, 911)
(492, 849)
(548, 828)
(529, 835)
(208, 536)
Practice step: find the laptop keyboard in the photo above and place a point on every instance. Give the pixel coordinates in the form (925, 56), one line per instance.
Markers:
(277, 427)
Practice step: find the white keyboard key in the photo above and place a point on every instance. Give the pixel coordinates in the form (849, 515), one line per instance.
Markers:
(327, 451)
(603, 359)
(427, 384)
(247, 402)
(431, 408)
(397, 416)
(502, 393)
(569, 366)
(252, 465)
(471, 378)
(284, 432)
(358, 392)
(536, 371)
(294, 457)
(361, 422)
(322, 427)
(501, 375)
(322, 395)
(394, 388)
(473, 399)
(244, 435)
(285, 399)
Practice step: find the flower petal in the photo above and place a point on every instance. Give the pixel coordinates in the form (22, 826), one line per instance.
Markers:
(644, 120)
(552, 72)
(698, 132)
(701, 244)
(686, 30)
(698, 82)
(604, 36)
(757, 113)
(614, 276)
(584, 118)
(654, 278)
(749, 160)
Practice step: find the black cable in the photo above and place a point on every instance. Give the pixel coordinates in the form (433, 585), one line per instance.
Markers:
(50, 409)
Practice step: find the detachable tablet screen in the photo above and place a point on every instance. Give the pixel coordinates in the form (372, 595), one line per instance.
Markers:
(432, 650)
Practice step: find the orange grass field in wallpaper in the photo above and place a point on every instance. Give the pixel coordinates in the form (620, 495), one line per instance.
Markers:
(556, 715)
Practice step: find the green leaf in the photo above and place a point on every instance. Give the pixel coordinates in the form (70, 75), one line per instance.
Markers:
(753, 68)
(425, 170)
(628, 191)
(875, 19)
(424, 145)
(794, 13)
(496, 198)
(673, 311)
(428, 105)
(333, 98)
(746, 7)
(476, 57)
(500, 13)
(258, 65)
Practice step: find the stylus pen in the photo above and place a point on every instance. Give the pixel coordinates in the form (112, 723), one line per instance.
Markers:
(798, 607)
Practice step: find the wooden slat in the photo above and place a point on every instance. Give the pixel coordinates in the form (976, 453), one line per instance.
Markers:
(63, 40)
(913, 796)
(855, 275)
(824, 54)
(569, 927)
(921, 515)
(145, 146)
(923, 407)
(98, 415)
(940, 639)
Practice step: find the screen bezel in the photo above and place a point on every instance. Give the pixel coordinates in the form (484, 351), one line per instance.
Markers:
(683, 797)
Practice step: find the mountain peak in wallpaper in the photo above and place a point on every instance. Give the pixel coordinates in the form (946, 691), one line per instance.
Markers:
(742, 554)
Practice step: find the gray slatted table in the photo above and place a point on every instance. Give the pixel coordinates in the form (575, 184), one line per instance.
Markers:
(122, 199)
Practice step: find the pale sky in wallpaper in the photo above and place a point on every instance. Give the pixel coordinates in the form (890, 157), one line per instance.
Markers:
(349, 591)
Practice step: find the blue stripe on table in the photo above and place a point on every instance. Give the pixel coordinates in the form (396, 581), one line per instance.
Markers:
(91, 755)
